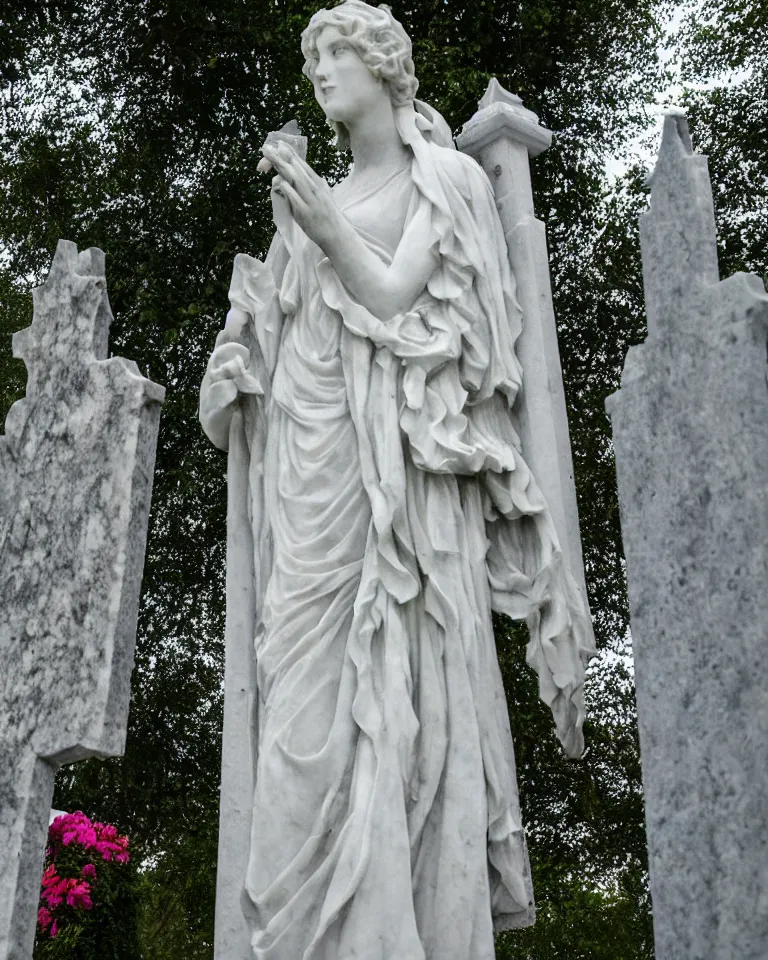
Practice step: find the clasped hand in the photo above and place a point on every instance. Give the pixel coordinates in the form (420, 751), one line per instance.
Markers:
(229, 364)
(309, 197)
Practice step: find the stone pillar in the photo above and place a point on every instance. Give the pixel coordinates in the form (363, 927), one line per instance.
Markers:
(76, 466)
(690, 427)
(232, 939)
(502, 136)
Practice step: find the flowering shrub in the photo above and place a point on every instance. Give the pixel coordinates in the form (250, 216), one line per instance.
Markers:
(86, 887)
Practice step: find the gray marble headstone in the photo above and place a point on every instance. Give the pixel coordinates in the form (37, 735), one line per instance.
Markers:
(76, 466)
(690, 427)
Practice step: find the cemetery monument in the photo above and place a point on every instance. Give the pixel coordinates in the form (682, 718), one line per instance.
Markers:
(76, 465)
(381, 505)
(690, 428)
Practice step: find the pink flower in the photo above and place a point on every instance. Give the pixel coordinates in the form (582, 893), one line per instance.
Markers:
(78, 831)
(54, 890)
(75, 830)
(111, 846)
(79, 894)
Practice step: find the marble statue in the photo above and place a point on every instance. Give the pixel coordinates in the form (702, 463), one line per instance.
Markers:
(379, 509)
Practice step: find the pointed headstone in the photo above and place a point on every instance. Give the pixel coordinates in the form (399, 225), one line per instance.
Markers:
(690, 428)
(76, 466)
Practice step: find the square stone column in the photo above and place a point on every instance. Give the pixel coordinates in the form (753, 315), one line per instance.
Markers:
(502, 136)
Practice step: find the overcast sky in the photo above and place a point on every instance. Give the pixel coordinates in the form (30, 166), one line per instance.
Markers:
(645, 147)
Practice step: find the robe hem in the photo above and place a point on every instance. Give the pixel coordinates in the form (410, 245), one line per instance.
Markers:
(514, 921)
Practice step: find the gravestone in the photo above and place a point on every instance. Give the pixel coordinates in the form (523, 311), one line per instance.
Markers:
(503, 136)
(76, 466)
(690, 427)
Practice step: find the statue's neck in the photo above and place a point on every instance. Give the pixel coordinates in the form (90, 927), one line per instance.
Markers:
(375, 143)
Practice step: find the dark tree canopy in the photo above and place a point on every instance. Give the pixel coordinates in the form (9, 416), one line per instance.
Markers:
(136, 128)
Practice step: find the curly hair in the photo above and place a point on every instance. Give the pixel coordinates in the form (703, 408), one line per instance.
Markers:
(378, 39)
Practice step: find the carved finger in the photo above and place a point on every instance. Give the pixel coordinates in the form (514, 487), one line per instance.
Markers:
(303, 188)
(290, 193)
(277, 184)
(299, 165)
(275, 159)
(315, 177)
(301, 181)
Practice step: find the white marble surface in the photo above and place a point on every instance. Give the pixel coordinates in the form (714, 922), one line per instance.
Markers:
(502, 136)
(689, 428)
(76, 466)
(379, 507)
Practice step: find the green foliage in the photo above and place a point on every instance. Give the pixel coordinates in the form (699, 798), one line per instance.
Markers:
(580, 923)
(15, 314)
(584, 820)
(722, 44)
(137, 130)
(176, 920)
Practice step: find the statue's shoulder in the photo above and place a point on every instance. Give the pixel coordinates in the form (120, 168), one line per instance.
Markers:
(464, 173)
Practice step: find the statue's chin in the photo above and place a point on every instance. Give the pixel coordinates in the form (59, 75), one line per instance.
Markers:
(333, 116)
(342, 113)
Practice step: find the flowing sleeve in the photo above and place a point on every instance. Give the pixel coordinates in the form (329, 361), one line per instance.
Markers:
(253, 323)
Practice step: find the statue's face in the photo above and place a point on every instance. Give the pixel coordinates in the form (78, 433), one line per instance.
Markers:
(344, 86)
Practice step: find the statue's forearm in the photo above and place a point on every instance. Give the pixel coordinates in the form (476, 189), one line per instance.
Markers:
(385, 291)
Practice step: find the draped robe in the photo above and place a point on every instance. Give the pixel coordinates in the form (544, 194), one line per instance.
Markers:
(390, 509)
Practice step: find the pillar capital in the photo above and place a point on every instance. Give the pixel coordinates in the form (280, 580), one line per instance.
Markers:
(502, 114)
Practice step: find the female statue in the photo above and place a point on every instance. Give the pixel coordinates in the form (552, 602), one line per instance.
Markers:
(380, 508)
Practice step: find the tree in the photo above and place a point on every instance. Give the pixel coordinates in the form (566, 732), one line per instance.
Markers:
(724, 72)
(151, 155)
